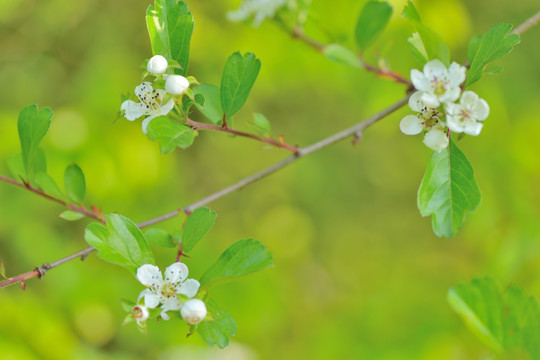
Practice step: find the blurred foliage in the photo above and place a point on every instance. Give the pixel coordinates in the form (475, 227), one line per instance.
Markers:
(359, 274)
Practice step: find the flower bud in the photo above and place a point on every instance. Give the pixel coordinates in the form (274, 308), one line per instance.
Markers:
(139, 313)
(176, 84)
(157, 64)
(193, 311)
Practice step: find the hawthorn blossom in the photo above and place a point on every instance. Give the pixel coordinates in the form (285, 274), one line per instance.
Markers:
(260, 9)
(464, 117)
(157, 64)
(437, 83)
(150, 104)
(140, 314)
(428, 118)
(193, 311)
(176, 84)
(164, 291)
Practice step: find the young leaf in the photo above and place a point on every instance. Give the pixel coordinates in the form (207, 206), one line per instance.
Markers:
(170, 134)
(219, 331)
(372, 20)
(260, 125)
(342, 55)
(241, 258)
(120, 243)
(212, 102)
(33, 125)
(508, 320)
(170, 26)
(70, 215)
(75, 183)
(482, 50)
(48, 185)
(160, 237)
(448, 190)
(197, 225)
(237, 80)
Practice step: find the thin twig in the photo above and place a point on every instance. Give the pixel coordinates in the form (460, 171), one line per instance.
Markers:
(202, 126)
(527, 24)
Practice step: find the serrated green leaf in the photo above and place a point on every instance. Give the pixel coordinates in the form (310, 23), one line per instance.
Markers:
(238, 77)
(342, 55)
(260, 125)
(495, 44)
(417, 48)
(371, 22)
(170, 134)
(474, 45)
(242, 258)
(75, 183)
(127, 305)
(212, 102)
(219, 331)
(170, 26)
(120, 243)
(160, 237)
(410, 13)
(33, 125)
(448, 190)
(48, 185)
(70, 215)
(197, 225)
(508, 320)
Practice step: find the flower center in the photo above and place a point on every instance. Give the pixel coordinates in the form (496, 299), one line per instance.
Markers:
(168, 290)
(465, 115)
(430, 117)
(137, 312)
(150, 98)
(439, 87)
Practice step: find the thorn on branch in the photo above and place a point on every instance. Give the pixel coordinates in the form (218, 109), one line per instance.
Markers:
(23, 285)
(357, 138)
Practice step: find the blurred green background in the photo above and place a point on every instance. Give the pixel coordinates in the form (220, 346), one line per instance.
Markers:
(359, 274)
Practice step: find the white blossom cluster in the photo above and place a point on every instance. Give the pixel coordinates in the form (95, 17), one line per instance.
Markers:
(170, 293)
(438, 90)
(151, 102)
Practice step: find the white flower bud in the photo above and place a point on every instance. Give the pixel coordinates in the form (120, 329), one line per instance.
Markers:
(157, 65)
(176, 84)
(139, 313)
(193, 311)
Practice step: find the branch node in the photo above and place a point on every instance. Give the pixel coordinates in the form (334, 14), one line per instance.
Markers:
(357, 138)
(42, 270)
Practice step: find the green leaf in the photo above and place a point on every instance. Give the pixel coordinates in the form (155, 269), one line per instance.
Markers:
(212, 102)
(242, 258)
(170, 26)
(493, 70)
(342, 55)
(16, 166)
(120, 243)
(448, 190)
(372, 20)
(170, 134)
(48, 185)
(75, 183)
(237, 80)
(33, 125)
(433, 44)
(70, 215)
(260, 125)
(160, 237)
(417, 48)
(197, 225)
(504, 320)
(219, 331)
(482, 50)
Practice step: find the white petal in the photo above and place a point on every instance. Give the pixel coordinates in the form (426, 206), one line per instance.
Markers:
(411, 125)
(164, 109)
(436, 139)
(480, 109)
(176, 273)
(456, 74)
(149, 275)
(468, 98)
(193, 311)
(146, 122)
(143, 88)
(176, 84)
(133, 110)
(151, 300)
(419, 80)
(473, 128)
(157, 64)
(172, 303)
(430, 100)
(189, 288)
(164, 315)
(415, 102)
(451, 95)
(454, 123)
(435, 69)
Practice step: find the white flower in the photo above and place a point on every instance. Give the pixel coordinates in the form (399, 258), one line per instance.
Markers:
(193, 311)
(140, 314)
(437, 83)
(428, 118)
(463, 117)
(164, 291)
(260, 9)
(150, 103)
(176, 84)
(157, 64)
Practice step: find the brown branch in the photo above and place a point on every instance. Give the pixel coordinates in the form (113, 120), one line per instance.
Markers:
(527, 24)
(202, 126)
